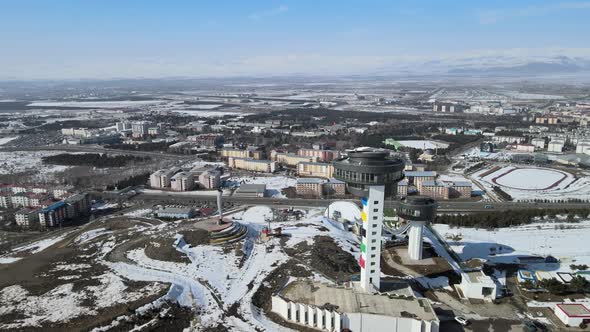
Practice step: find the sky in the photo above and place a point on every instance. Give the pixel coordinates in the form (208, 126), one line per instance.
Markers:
(71, 39)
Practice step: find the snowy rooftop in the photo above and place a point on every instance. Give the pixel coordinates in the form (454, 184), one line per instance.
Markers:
(310, 180)
(350, 301)
(420, 173)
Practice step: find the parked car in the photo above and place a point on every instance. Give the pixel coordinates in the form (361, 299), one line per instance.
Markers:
(462, 320)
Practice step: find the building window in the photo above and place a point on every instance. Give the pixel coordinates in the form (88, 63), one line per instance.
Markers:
(376, 202)
(372, 263)
(373, 248)
(373, 241)
(372, 255)
(375, 210)
(372, 271)
(375, 217)
(374, 233)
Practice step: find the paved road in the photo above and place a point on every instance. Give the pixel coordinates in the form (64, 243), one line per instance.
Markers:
(444, 206)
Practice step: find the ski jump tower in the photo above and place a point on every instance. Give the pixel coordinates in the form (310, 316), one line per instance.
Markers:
(371, 175)
(417, 211)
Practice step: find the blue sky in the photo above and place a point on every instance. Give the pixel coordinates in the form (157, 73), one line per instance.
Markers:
(149, 38)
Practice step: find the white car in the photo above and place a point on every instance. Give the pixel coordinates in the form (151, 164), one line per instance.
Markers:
(462, 320)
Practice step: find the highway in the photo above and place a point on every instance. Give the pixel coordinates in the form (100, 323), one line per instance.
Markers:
(444, 206)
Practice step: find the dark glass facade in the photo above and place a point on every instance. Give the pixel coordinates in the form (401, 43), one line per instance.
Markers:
(417, 208)
(366, 167)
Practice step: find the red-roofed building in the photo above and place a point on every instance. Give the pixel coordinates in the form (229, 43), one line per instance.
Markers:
(572, 314)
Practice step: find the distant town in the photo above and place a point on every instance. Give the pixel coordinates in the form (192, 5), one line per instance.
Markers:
(224, 207)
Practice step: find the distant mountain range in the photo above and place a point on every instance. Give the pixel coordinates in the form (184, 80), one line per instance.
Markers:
(494, 66)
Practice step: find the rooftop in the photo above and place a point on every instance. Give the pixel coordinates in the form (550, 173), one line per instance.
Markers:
(574, 309)
(310, 180)
(420, 173)
(251, 188)
(347, 300)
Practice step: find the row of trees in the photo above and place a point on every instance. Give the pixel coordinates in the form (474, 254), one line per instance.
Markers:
(578, 285)
(93, 159)
(491, 220)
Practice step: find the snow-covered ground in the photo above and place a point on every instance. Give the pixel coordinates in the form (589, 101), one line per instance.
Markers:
(4, 140)
(274, 184)
(21, 161)
(528, 183)
(32, 248)
(97, 104)
(62, 303)
(348, 211)
(568, 244)
(424, 144)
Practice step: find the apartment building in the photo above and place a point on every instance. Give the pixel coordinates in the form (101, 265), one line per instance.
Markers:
(250, 164)
(309, 187)
(321, 155)
(53, 215)
(210, 179)
(461, 189)
(162, 178)
(417, 177)
(290, 159)
(435, 189)
(323, 170)
(402, 188)
(182, 181)
(26, 217)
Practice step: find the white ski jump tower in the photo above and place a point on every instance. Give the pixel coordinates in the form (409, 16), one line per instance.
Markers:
(370, 257)
(371, 175)
(220, 206)
(417, 211)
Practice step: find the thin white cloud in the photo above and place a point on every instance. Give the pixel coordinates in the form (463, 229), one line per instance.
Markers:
(269, 13)
(491, 16)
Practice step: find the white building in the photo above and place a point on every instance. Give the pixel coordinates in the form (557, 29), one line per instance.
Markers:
(572, 314)
(583, 147)
(555, 145)
(182, 181)
(538, 143)
(162, 178)
(370, 257)
(477, 285)
(140, 128)
(304, 303)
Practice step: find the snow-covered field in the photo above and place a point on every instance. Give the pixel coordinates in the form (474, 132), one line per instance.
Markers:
(97, 104)
(21, 161)
(528, 183)
(31, 249)
(274, 184)
(4, 140)
(568, 244)
(425, 144)
(347, 210)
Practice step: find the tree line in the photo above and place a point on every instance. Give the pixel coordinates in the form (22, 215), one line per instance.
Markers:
(93, 159)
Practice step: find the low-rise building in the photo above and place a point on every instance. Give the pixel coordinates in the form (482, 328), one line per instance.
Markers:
(527, 148)
(477, 285)
(572, 314)
(434, 189)
(323, 170)
(250, 164)
(555, 145)
(305, 303)
(251, 190)
(235, 153)
(5, 200)
(538, 143)
(175, 212)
